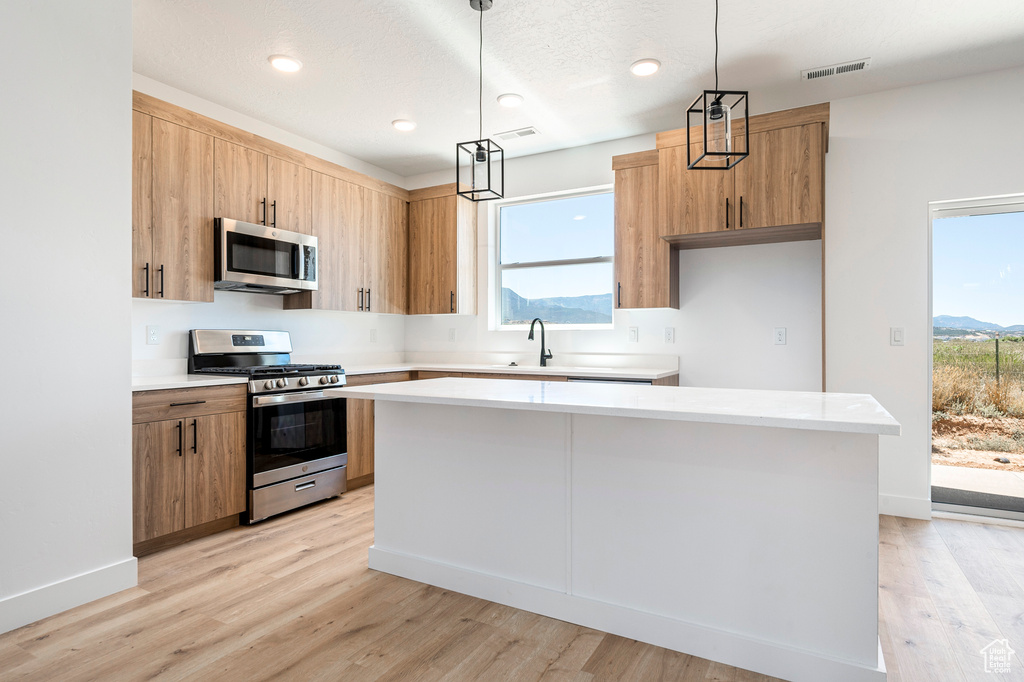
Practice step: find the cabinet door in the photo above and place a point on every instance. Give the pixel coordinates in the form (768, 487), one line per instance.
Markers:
(354, 248)
(433, 244)
(359, 417)
(240, 183)
(386, 252)
(214, 467)
(643, 260)
(158, 479)
(288, 189)
(693, 201)
(781, 182)
(182, 213)
(142, 205)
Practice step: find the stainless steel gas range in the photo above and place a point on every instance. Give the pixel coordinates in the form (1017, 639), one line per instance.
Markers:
(296, 436)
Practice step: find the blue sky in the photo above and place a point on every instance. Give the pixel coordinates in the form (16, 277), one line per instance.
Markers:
(978, 267)
(576, 227)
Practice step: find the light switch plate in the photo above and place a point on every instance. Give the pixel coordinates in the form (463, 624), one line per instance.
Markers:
(634, 334)
(152, 335)
(670, 334)
(780, 336)
(895, 336)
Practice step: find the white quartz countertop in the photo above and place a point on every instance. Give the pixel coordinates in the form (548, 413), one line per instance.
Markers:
(157, 383)
(642, 373)
(844, 412)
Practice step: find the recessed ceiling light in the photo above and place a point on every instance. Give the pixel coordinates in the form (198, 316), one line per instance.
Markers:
(510, 99)
(645, 67)
(404, 125)
(284, 63)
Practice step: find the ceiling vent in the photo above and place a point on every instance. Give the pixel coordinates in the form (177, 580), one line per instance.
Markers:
(836, 69)
(516, 134)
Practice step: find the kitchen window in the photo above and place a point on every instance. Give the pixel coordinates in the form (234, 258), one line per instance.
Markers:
(554, 260)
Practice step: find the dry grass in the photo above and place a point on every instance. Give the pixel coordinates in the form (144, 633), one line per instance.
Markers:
(954, 389)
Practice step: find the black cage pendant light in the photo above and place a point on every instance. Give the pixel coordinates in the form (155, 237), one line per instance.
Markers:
(480, 164)
(714, 112)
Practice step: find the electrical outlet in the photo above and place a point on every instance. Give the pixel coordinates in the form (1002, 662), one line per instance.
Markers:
(780, 336)
(451, 334)
(895, 336)
(153, 335)
(373, 336)
(670, 334)
(634, 334)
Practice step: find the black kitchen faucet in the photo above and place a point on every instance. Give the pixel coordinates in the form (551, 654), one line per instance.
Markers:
(544, 355)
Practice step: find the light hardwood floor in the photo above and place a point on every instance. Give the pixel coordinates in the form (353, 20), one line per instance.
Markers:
(292, 598)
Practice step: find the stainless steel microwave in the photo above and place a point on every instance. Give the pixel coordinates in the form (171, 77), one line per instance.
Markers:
(265, 260)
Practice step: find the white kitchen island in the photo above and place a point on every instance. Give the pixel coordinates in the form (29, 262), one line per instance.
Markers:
(738, 526)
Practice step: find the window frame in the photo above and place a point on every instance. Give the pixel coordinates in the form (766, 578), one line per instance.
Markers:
(497, 267)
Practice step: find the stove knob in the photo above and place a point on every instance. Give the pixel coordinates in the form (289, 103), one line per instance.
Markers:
(303, 381)
(281, 383)
(323, 380)
(334, 378)
(269, 385)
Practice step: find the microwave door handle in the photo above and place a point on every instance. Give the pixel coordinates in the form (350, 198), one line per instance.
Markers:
(297, 265)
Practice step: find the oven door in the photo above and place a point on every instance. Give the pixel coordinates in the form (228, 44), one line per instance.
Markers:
(263, 257)
(296, 434)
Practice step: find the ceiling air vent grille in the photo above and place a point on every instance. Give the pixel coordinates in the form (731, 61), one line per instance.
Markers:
(836, 69)
(516, 134)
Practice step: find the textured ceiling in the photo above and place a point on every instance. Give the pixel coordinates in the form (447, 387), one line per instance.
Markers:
(368, 62)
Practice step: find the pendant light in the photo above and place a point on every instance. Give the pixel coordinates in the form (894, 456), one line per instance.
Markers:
(480, 163)
(715, 110)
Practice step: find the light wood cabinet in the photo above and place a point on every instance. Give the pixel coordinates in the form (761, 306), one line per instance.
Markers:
(646, 269)
(188, 472)
(781, 182)
(692, 201)
(256, 188)
(360, 425)
(361, 236)
(172, 211)
(442, 252)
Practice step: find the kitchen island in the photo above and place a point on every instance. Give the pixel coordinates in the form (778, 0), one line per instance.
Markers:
(738, 526)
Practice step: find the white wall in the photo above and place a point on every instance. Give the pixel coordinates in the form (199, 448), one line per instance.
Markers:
(65, 185)
(323, 334)
(890, 154)
(732, 298)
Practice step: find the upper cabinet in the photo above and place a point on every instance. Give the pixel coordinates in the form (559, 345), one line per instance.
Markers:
(779, 185)
(188, 169)
(257, 188)
(442, 252)
(172, 211)
(646, 271)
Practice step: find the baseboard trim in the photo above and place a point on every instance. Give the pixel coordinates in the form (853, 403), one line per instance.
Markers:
(907, 507)
(730, 648)
(41, 602)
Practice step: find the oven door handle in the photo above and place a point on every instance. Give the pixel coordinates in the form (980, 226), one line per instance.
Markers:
(304, 397)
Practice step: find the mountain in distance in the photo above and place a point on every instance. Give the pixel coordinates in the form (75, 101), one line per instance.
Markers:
(594, 309)
(969, 323)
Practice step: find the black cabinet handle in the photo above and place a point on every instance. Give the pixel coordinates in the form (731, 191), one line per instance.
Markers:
(360, 299)
(146, 269)
(273, 220)
(741, 211)
(367, 299)
(452, 302)
(195, 436)
(263, 204)
(179, 439)
(619, 305)
(161, 281)
(727, 213)
(190, 402)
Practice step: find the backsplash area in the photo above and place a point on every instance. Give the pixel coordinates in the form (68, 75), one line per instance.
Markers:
(350, 338)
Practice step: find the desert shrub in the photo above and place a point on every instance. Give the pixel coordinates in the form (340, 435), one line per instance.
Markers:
(995, 394)
(988, 410)
(992, 444)
(954, 389)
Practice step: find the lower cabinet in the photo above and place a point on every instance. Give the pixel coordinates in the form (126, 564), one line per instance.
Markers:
(359, 420)
(188, 470)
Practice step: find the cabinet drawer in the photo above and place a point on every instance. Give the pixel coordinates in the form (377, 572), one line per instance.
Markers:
(381, 378)
(527, 377)
(437, 375)
(179, 403)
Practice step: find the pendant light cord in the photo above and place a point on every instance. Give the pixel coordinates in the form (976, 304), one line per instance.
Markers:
(716, 44)
(480, 64)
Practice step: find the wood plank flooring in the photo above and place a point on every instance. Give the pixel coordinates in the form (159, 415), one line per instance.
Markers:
(292, 598)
